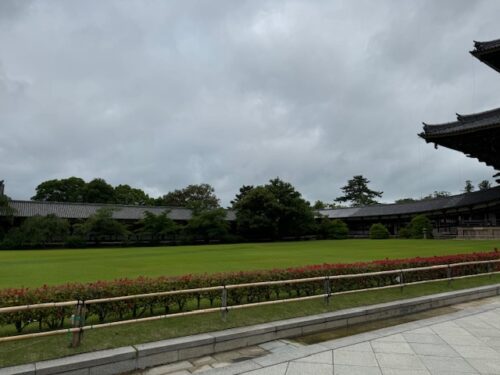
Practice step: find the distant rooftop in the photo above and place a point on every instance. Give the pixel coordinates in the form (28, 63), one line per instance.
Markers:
(84, 210)
(122, 212)
(451, 203)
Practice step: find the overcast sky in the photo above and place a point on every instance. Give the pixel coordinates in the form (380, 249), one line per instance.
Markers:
(162, 94)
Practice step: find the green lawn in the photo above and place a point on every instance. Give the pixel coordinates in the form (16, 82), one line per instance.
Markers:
(38, 267)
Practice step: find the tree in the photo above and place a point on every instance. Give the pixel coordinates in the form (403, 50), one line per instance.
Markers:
(124, 194)
(357, 192)
(272, 211)
(243, 191)
(256, 214)
(37, 231)
(101, 225)
(98, 191)
(158, 226)
(334, 229)
(378, 232)
(420, 226)
(5, 208)
(405, 200)
(65, 190)
(436, 195)
(319, 205)
(196, 197)
(484, 185)
(208, 225)
(469, 188)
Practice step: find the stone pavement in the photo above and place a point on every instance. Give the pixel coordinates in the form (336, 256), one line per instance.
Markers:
(460, 343)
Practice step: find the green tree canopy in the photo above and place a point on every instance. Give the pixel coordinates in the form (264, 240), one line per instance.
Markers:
(357, 192)
(5, 208)
(99, 191)
(379, 232)
(243, 191)
(406, 200)
(468, 188)
(436, 195)
(208, 225)
(419, 226)
(38, 231)
(275, 210)
(70, 189)
(75, 189)
(158, 226)
(319, 205)
(334, 229)
(101, 225)
(196, 197)
(124, 194)
(484, 185)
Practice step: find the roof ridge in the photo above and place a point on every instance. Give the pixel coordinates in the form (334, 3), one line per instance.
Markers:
(419, 201)
(97, 204)
(478, 115)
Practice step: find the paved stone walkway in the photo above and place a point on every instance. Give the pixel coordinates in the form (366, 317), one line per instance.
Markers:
(465, 342)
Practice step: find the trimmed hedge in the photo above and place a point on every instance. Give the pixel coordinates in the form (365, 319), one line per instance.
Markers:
(379, 232)
(46, 319)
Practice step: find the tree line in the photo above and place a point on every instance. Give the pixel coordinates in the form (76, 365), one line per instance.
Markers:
(269, 212)
(272, 211)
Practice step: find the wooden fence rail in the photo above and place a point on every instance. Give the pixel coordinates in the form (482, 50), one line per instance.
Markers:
(77, 330)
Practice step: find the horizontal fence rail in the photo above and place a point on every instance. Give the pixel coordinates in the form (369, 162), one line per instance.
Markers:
(78, 327)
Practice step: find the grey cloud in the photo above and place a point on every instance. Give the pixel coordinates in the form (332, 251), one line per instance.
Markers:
(164, 94)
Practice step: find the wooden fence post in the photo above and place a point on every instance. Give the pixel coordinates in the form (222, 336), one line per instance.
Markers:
(78, 320)
(328, 290)
(448, 274)
(401, 280)
(224, 304)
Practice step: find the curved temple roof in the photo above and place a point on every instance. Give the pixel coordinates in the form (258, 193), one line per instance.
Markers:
(488, 53)
(476, 135)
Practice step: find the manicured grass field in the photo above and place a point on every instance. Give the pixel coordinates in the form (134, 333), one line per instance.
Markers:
(37, 267)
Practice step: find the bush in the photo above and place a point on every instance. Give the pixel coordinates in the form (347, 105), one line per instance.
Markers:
(334, 229)
(37, 231)
(404, 233)
(208, 225)
(44, 319)
(101, 226)
(378, 232)
(418, 225)
(75, 241)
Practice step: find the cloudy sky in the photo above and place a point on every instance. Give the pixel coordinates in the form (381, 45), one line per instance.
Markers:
(162, 94)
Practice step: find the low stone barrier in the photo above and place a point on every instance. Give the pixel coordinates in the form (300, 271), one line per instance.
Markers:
(116, 361)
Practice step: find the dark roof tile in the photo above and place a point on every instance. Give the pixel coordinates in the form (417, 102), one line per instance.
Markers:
(420, 207)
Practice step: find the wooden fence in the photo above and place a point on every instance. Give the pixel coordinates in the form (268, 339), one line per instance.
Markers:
(80, 305)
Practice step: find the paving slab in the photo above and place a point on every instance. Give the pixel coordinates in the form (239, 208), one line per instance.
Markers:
(464, 342)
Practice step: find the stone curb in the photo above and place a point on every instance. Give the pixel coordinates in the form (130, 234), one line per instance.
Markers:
(130, 358)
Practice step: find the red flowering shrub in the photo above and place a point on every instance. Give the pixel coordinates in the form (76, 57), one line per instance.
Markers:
(53, 318)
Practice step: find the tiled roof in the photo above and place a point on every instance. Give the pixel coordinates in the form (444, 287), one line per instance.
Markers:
(488, 53)
(84, 210)
(464, 124)
(485, 46)
(420, 207)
